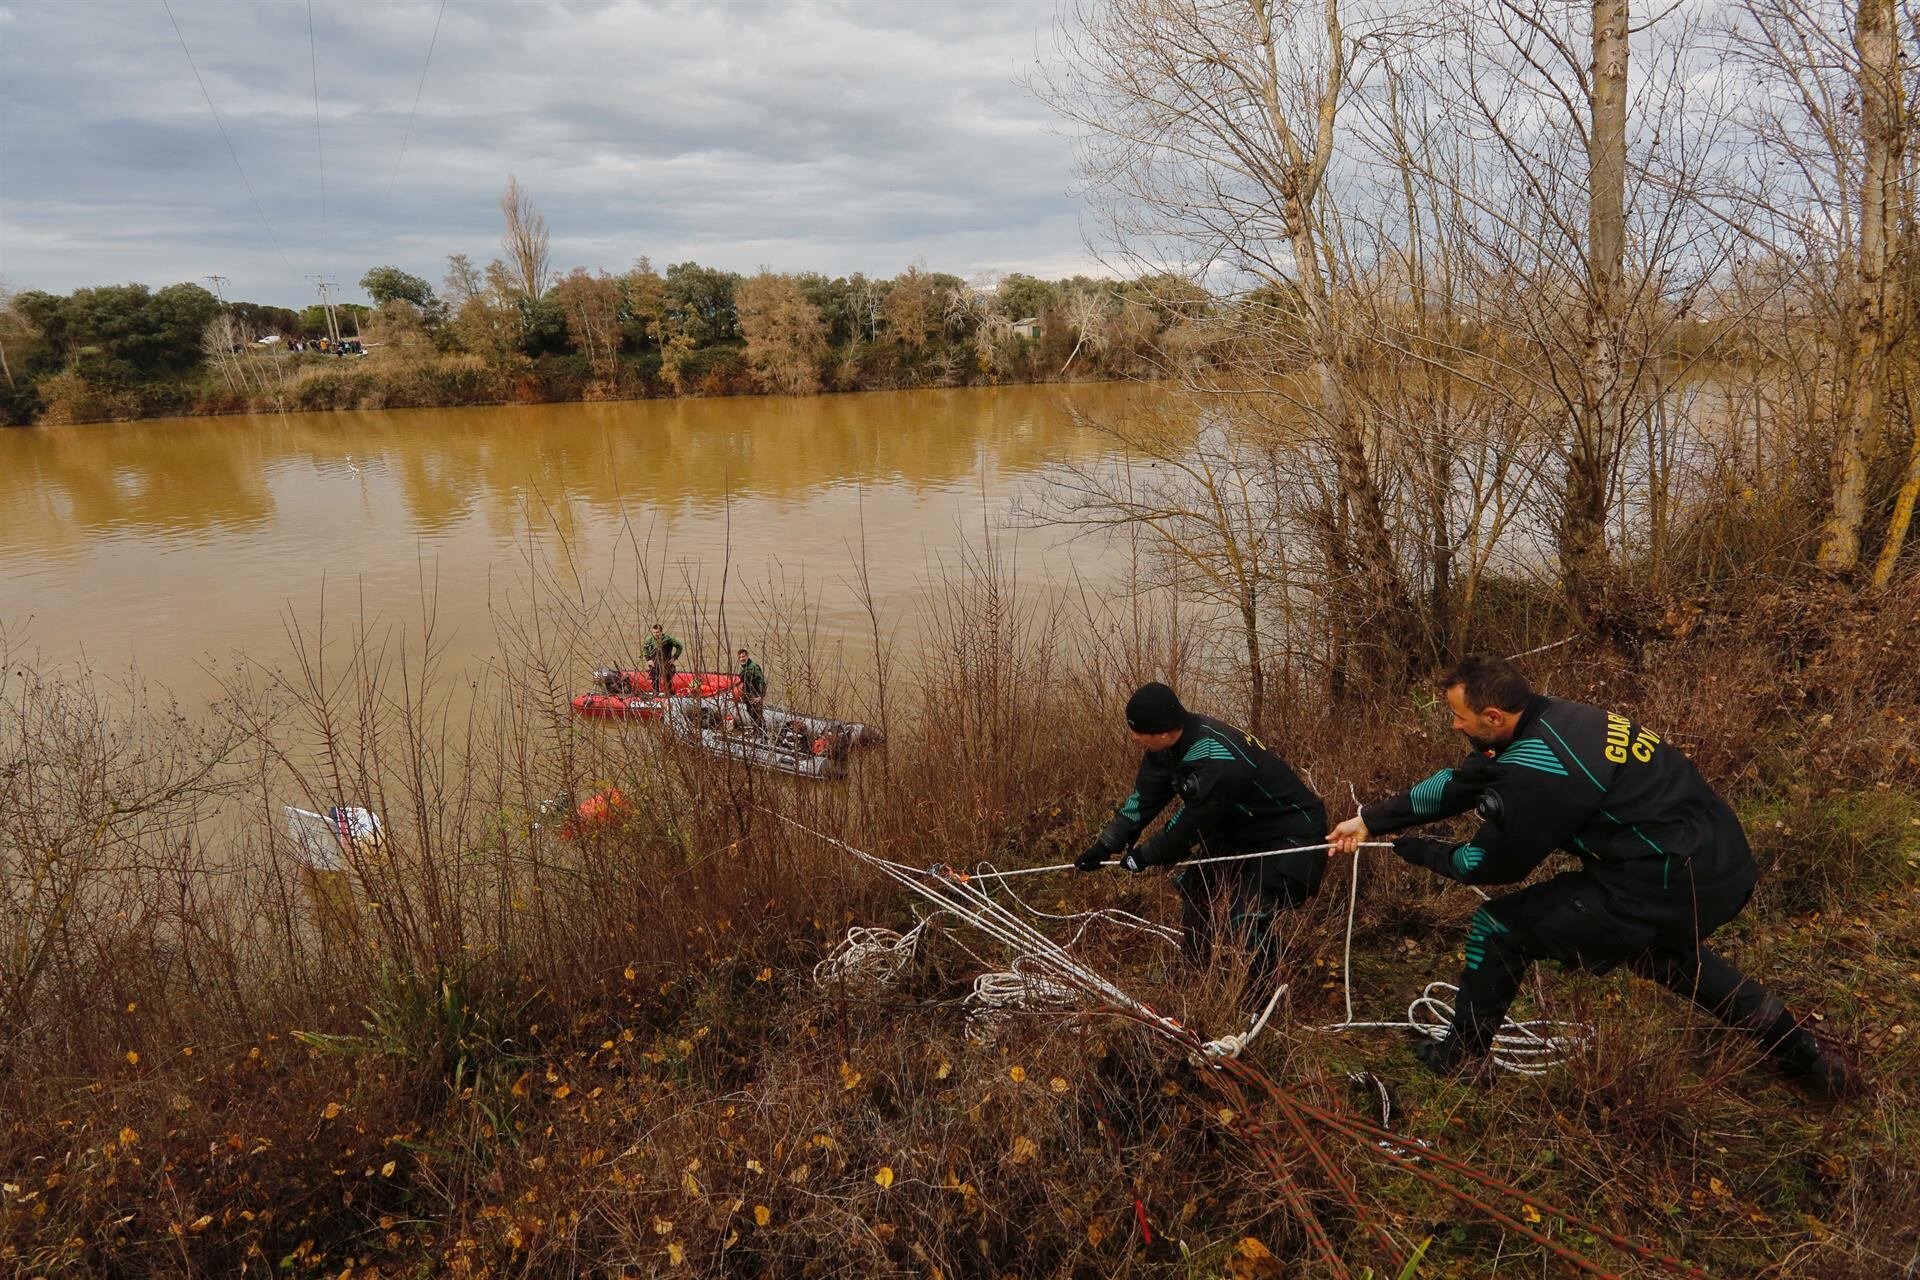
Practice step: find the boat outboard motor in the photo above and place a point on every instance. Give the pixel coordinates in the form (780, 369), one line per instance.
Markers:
(614, 681)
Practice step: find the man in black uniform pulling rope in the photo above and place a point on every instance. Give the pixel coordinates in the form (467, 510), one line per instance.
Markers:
(1664, 863)
(1236, 797)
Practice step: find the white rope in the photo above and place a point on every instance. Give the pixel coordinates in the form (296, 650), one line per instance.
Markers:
(998, 994)
(1523, 1048)
(1045, 975)
(1188, 862)
(1042, 968)
(868, 956)
(1235, 1045)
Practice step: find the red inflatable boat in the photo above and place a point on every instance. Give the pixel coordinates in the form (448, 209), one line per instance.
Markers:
(631, 693)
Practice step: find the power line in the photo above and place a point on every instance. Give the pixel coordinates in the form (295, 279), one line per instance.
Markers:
(313, 63)
(408, 132)
(229, 141)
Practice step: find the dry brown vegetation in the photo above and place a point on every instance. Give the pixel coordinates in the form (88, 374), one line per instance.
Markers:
(516, 1054)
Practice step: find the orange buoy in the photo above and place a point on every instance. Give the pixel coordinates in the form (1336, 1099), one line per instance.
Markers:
(601, 809)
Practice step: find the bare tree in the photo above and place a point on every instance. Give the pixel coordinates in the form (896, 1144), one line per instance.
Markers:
(1598, 427)
(1876, 49)
(1204, 502)
(462, 283)
(591, 303)
(1085, 312)
(524, 242)
(1599, 212)
(1832, 96)
(221, 342)
(1207, 132)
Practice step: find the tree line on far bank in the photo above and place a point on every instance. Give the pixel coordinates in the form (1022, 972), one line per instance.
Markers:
(515, 329)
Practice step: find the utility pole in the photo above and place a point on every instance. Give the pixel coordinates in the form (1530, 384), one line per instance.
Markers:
(219, 292)
(326, 303)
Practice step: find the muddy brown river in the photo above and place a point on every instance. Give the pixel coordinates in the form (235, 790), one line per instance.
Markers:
(170, 546)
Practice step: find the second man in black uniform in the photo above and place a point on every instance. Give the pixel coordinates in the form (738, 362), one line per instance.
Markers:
(1663, 863)
(1236, 797)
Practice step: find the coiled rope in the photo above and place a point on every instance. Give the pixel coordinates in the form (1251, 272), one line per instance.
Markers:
(1527, 1048)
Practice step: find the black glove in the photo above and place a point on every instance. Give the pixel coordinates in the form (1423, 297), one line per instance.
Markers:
(1422, 851)
(1132, 861)
(1094, 858)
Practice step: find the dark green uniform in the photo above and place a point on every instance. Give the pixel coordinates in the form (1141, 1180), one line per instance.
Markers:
(1664, 863)
(662, 653)
(1236, 797)
(753, 691)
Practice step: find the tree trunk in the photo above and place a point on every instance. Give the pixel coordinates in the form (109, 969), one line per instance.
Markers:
(1902, 517)
(1384, 602)
(1256, 672)
(1876, 46)
(1596, 432)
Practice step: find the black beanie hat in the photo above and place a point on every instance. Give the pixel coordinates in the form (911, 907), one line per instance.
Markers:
(1154, 708)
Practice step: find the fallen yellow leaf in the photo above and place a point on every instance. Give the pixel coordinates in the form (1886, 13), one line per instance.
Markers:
(1024, 1149)
(332, 1109)
(884, 1177)
(677, 1253)
(1017, 1074)
(386, 1170)
(762, 1215)
(1531, 1214)
(1057, 1084)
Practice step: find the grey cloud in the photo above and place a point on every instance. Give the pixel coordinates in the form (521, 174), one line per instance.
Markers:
(839, 136)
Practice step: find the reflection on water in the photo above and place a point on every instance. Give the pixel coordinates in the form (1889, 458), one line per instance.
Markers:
(166, 542)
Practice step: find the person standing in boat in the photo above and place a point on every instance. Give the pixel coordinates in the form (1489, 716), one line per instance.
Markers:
(1237, 796)
(753, 689)
(663, 658)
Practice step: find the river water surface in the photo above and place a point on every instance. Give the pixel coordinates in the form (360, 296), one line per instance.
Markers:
(173, 545)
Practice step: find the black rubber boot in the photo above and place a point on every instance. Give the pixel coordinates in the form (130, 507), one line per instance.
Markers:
(1454, 1055)
(1737, 1000)
(1466, 1048)
(1804, 1060)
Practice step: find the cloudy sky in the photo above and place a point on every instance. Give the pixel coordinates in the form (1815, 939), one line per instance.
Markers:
(834, 135)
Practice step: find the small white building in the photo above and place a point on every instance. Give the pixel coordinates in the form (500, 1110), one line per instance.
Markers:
(1028, 328)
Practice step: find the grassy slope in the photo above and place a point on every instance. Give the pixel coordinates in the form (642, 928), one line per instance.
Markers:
(657, 1086)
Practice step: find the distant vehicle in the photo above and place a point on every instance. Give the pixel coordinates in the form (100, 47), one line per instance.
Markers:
(267, 341)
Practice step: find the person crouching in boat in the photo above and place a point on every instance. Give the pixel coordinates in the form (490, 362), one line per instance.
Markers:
(752, 692)
(1237, 796)
(663, 656)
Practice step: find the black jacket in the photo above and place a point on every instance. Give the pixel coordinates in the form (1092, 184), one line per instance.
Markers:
(1634, 810)
(1236, 797)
